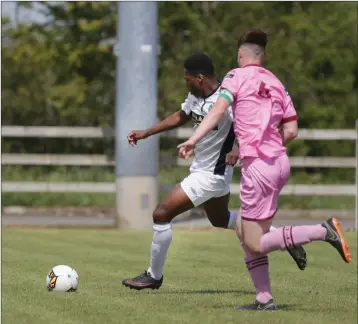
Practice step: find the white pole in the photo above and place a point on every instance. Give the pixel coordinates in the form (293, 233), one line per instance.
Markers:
(136, 108)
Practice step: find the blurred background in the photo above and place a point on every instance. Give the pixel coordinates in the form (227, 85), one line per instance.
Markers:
(58, 70)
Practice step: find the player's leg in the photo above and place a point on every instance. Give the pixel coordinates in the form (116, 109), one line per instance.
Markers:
(258, 266)
(218, 213)
(175, 203)
(258, 202)
(291, 236)
(297, 253)
(287, 237)
(257, 212)
(258, 175)
(216, 205)
(258, 242)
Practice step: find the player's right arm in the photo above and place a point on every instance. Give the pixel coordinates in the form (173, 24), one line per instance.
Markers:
(174, 120)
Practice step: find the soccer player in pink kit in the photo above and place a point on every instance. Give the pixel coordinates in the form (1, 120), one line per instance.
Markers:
(265, 121)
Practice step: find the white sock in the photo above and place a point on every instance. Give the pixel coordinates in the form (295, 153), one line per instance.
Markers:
(161, 240)
(232, 220)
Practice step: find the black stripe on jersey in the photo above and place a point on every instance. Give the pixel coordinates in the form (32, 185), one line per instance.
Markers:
(225, 149)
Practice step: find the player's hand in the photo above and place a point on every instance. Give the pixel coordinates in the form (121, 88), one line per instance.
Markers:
(136, 135)
(186, 149)
(232, 158)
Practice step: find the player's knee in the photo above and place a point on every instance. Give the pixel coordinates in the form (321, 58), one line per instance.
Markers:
(161, 215)
(219, 222)
(253, 247)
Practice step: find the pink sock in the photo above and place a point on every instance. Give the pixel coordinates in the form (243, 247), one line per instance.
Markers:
(291, 236)
(259, 272)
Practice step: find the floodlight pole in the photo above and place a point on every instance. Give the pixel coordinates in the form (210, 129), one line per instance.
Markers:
(136, 109)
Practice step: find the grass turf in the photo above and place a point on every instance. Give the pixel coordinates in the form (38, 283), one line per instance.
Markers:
(205, 278)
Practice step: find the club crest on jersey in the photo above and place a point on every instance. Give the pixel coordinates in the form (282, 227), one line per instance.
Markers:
(197, 119)
(229, 76)
(211, 105)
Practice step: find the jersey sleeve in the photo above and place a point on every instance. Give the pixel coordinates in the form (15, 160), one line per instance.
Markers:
(289, 111)
(187, 104)
(229, 86)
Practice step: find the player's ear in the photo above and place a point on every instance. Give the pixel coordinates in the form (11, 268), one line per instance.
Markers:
(200, 77)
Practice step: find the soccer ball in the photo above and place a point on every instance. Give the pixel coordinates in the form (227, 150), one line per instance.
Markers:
(62, 278)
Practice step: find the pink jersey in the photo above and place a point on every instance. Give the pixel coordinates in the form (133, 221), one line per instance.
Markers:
(260, 104)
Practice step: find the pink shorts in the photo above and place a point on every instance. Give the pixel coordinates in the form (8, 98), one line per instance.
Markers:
(261, 184)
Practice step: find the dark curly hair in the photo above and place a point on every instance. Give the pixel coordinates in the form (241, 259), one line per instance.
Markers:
(200, 63)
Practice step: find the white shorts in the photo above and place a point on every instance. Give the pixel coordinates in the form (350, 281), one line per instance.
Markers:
(200, 187)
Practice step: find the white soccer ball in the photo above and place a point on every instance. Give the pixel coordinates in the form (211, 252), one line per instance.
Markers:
(62, 278)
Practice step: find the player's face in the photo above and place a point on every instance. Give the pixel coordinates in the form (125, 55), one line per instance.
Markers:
(194, 83)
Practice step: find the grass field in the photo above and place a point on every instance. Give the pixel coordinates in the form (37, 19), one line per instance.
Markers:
(205, 278)
(168, 175)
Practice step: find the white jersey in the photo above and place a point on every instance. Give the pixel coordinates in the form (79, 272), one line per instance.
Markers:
(210, 152)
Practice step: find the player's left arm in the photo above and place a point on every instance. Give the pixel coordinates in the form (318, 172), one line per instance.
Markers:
(289, 125)
(233, 156)
(289, 131)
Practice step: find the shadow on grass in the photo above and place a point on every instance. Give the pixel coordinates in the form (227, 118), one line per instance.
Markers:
(280, 307)
(210, 292)
(287, 307)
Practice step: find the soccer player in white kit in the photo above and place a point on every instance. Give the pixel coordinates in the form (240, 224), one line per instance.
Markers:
(210, 172)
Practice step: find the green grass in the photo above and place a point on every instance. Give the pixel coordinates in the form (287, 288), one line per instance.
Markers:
(205, 278)
(171, 175)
